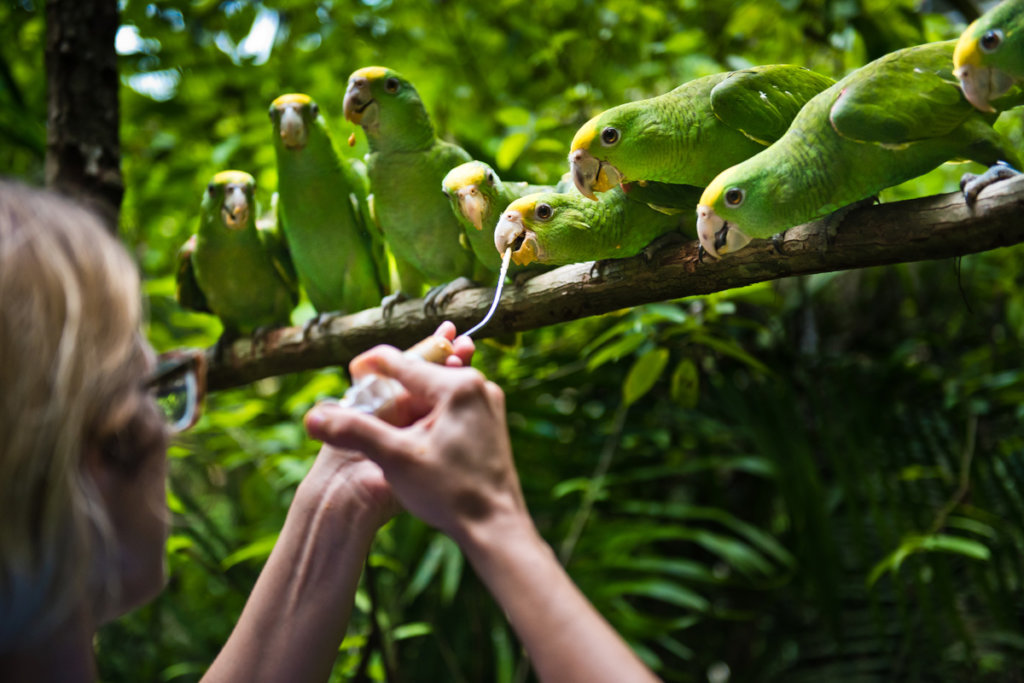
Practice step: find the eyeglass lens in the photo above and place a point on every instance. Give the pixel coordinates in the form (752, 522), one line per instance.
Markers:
(178, 394)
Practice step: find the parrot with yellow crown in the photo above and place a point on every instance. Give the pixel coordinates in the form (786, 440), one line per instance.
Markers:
(339, 256)
(406, 163)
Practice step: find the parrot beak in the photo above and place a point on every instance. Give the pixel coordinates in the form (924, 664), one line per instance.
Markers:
(360, 106)
(591, 175)
(235, 210)
(511, 232)
(473, 205)
(980, 84)
(293, 128)
(717, 236)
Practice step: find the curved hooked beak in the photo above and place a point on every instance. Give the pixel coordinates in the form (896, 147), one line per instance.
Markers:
(980, 84)
(591, 175)
(359, 106)
(473, 205)
(235, 210)
(716, 235)
(293, 128)
(511, 232)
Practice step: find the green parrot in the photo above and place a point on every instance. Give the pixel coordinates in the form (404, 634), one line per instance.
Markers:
(988, 59)
(241, 274)
(340, 258)
(406, 163)
(690, 134)
(477, 196)
(565, 227)
(892, 120)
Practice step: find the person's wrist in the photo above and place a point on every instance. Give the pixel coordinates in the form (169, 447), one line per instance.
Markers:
(511, 525)
(335, 498)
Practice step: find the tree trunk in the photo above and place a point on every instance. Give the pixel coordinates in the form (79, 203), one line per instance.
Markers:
(83, 151)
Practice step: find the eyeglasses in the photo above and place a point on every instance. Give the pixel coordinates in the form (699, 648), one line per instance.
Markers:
(179, 383)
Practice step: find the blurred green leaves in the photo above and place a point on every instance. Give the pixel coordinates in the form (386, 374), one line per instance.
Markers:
(781, 452)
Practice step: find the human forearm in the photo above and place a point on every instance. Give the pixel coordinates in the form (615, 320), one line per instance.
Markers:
(299, 609)
(567, 639)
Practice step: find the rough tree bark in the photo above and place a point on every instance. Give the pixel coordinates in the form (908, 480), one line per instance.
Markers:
(83, 151)
(929, 228)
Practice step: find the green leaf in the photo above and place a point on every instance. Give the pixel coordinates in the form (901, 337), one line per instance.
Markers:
(510, 149)
(511, 117)
(412, 630)
(911, 545)
(616, 350)
(574, 485)
(645, 372)
(658, 589)
(429, 564)
(452, 574)
(686, 384)
(258, 549)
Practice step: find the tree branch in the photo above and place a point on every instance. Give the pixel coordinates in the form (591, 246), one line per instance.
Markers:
(936, 227)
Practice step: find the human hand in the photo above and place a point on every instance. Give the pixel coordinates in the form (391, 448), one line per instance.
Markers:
(343, 477)
(448, 460)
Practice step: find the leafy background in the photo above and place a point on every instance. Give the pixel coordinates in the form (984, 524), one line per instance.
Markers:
(814, 479)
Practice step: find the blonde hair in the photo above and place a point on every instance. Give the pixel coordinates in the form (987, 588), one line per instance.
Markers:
(71, 360)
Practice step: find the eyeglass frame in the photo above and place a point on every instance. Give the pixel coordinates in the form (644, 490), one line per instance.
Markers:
(193, 363)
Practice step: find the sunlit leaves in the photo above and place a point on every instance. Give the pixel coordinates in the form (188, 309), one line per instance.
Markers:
(645, 372)
(767, 426)
(957, 545)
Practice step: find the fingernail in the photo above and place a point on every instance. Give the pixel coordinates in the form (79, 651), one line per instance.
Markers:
(315, 420)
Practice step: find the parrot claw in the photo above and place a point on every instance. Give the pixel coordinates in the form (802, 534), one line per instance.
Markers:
(315, 322)
(388, 303)
(438, 297)
(521, 277)
(222, 347)
(832, 221)
(972, 184)
(669, 239)
(778, 239)
(259, 337)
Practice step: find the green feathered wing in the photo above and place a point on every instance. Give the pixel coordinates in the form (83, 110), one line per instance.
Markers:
(892, 120)
(228, 268)
(406, 164)
(338, 256)
(688, 135)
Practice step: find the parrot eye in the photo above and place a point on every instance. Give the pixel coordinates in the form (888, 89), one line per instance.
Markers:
(991, 40)
(734, 196)
(490, 177)
(314, 108)
(609, 136)
(543, 211)
(211, 188)
(391, 85)
(271, 111)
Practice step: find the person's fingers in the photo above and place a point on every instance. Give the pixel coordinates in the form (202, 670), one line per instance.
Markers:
(425, 382)
(368, 362)
(462, 354)
(446, 330)
(349, 429)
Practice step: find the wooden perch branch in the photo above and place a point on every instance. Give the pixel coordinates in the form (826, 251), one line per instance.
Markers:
(935, 227)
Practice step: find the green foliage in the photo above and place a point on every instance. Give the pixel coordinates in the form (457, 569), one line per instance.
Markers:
(818, 479)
